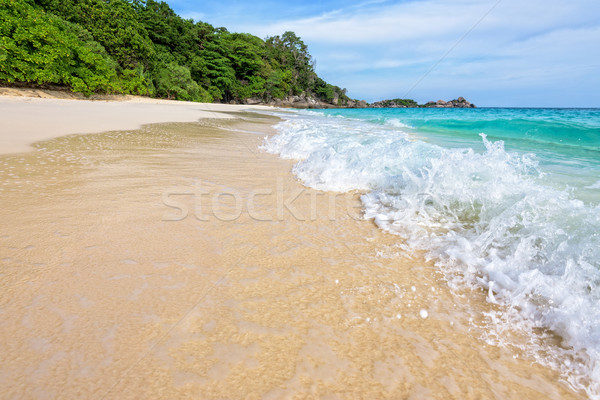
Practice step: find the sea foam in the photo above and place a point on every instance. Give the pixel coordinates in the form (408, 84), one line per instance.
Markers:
(486, 215)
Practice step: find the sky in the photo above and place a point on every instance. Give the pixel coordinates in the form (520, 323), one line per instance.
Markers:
(495, 53)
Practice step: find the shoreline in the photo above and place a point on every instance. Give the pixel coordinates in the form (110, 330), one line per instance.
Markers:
(130, 268)
(56, 117)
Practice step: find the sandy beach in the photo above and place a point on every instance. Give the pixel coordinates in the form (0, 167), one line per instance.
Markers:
(30, 116)
(150, 249)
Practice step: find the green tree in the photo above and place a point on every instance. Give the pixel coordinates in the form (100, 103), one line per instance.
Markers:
(288, 51)
(144, 47)
(218, 70)
(42, 48)
(113, 23)
(174, 81)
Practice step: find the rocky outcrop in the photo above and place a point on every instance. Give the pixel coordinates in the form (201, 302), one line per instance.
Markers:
(408, 103)
(356, 104)
(306, 102)
(299, 102)
(457, 103)
(395, 103)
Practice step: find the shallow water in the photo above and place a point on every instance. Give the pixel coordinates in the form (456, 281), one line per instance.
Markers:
(506, 200)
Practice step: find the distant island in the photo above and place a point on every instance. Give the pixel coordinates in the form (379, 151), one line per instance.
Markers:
(461, 102)
(312, 102)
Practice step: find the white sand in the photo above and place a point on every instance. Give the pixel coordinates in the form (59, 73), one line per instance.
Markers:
(128, 271)
(26, 120)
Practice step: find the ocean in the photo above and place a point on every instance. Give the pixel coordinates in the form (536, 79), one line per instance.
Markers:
(503, 199)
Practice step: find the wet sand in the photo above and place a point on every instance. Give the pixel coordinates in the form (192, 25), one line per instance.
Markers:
(179, 261)
(26, 119)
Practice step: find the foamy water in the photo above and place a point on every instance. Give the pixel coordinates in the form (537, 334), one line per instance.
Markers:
(519, 217)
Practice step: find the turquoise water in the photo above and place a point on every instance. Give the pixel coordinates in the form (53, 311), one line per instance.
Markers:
(566, 142)
(503, 199)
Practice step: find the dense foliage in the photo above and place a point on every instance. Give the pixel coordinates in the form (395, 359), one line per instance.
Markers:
(143, 47)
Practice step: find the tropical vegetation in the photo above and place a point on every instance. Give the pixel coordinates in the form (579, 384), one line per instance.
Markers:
(143, 47)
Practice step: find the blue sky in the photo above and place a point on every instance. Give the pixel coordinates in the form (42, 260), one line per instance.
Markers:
(543, 53)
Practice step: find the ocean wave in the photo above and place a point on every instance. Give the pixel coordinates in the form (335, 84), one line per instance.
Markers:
(594, 186)
(396, 123)
(485, 215)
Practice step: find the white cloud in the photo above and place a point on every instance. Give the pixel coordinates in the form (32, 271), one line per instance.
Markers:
(196, 16)
(383, 24)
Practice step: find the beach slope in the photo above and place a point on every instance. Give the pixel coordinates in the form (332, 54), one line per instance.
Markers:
(180, 261)
(26, 119)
